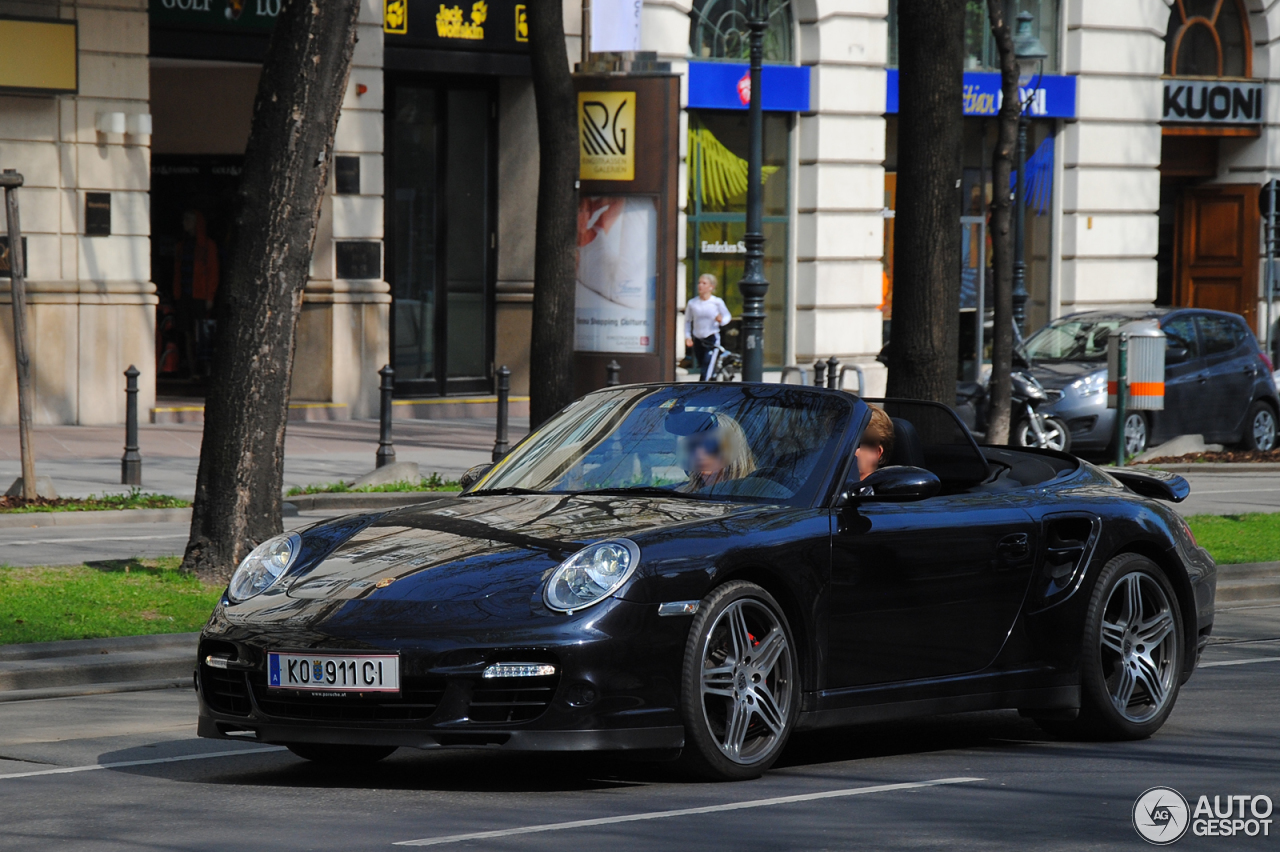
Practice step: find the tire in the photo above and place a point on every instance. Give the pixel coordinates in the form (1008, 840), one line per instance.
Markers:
(1137, 435)
(340, 755)
(1130, 665)
(1260, 428)
(1057, 435)
(738, 712)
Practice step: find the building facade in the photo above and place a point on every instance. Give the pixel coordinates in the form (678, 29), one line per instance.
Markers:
(1152, 125)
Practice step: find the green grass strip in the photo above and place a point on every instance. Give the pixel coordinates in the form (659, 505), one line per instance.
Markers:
(1238, 538)
(135, 499)
(123, 597)
(434, 482)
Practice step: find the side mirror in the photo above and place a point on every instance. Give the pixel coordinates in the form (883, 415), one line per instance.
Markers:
(473, 475)
(1175, 354)
(894, 484)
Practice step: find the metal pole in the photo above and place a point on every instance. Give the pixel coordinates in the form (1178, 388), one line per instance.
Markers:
(11, 180)
(833, 371)
(753, 284)
(819, 369)
(1122, 397)
(504, 392)
(1271, 256)
(386, 452)
(1020, 232)
(611, 373)
(131, 461)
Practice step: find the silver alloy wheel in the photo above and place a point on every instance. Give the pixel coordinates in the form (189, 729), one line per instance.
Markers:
(1135, 434)
(746, 681)
(1139, 647)
(1264, 429)
(1055, 435)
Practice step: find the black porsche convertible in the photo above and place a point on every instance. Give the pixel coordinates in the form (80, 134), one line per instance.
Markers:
(700, 569)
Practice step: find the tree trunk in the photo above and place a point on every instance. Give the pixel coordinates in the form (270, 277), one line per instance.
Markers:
(999, 402)
(286, 168)
(923, 357)
(556, 241)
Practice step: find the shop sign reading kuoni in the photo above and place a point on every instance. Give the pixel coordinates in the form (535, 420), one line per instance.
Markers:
(606, 135)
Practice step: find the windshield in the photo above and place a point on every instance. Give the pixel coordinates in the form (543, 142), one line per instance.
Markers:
(1074, 339)
(757, 443)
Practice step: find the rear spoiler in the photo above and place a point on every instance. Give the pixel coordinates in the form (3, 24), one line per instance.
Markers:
(1159, 484)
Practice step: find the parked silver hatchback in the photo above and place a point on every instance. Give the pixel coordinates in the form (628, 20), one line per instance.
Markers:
(1218, 382)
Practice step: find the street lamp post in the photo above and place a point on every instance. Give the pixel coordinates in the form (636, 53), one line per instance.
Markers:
(1028, 50)
(753, 283)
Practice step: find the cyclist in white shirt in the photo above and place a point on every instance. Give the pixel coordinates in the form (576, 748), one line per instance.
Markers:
(703, 319)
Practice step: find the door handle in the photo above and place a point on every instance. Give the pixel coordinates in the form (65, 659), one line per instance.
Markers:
(1202, 378)
(1014, 545)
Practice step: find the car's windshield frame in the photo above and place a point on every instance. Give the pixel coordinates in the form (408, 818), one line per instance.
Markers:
(845, 411)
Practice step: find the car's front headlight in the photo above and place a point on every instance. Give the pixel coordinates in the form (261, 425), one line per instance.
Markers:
(261, 568)
(591, 575)
(1090, 385)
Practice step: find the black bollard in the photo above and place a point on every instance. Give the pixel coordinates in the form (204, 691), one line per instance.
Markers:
(386, 452)
(611, 371)
(131, 461)
(833, 371)
(819, 369)
(504, 391)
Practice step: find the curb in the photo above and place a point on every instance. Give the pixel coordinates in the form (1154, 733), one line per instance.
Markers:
(1213, 467)
(80, 647)
(372, 500)
(94, 689)
(11, 520)
(303, 502)
(60, 668)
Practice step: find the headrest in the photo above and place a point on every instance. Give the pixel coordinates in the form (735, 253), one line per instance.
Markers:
(907, 449)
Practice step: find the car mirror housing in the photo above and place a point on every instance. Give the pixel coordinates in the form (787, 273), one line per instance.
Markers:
(474, 475)
(896, 484)
(1175, 354)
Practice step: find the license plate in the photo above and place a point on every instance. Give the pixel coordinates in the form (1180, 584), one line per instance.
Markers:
(338, 673)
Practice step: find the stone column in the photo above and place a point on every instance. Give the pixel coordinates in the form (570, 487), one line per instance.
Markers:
(1111, 156)
(839, 223)
(344, 331)
(90, 299)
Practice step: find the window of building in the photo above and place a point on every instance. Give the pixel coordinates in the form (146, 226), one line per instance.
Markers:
(717, 214)
(718, 30)
(979, 47)
(1207, 38)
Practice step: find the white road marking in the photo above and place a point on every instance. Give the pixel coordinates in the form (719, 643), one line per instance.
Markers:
(1237, 662)
(93, 538)
(1196, 492)
(732, 806)
(67, 770)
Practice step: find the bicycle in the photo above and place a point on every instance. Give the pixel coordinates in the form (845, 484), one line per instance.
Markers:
(728, 364)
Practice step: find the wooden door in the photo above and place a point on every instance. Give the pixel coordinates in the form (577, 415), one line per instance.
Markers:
(1217, 249)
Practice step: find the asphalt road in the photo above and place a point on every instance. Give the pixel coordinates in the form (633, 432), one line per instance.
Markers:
(125, 772)
(72, 545)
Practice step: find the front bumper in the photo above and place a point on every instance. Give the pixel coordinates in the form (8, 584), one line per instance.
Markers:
(616, 686)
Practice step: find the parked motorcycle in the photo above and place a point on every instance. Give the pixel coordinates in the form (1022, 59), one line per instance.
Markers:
(1031, 428)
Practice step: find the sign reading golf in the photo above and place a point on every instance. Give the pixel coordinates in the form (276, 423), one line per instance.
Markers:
(606, 134)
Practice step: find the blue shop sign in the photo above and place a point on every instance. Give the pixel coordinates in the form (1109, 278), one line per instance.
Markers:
(1054, 95)
(727, 85)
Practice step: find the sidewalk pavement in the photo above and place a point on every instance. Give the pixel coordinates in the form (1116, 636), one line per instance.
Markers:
(84, 460)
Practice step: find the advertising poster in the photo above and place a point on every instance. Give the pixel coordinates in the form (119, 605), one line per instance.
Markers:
(617, 279)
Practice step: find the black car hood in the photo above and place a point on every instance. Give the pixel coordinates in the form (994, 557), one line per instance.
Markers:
(1062, 373)
(452, 548)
